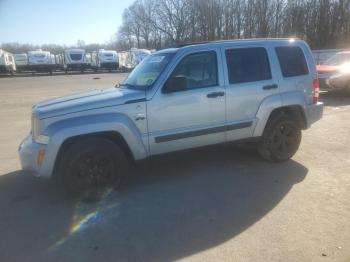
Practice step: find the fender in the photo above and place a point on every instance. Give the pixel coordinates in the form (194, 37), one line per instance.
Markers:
(295, 98)
(82, 125)
(266, 107)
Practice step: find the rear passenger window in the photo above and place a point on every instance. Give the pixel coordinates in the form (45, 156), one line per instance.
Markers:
(292, 61)
(247, 65)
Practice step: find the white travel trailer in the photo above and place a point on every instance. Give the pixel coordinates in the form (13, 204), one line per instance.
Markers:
(21, 61)
(40, 61)
(105, 59)
(88, 60)
(59, 62)
(74, 60)
(7, 62)
(130, 59)
(140, 54)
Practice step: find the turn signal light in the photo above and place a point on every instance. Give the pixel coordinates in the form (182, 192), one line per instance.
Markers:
(40, 157)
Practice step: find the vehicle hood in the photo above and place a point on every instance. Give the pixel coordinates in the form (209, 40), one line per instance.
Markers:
(86, 101)
(322, 69)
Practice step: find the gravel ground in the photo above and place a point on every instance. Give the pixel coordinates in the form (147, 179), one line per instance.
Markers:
(221, 203)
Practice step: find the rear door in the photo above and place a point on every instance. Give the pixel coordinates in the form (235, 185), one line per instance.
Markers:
(249, 80)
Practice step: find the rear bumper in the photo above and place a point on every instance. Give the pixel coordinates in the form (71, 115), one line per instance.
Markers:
(314, 113)
(28, 153)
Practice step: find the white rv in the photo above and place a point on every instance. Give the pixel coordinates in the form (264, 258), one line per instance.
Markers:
(74, 60)
(7, 62)
(21, 61)
(40, 61)
(105, 59)
(59, 62)
(140, 54)
(88, 60)
(130, 59)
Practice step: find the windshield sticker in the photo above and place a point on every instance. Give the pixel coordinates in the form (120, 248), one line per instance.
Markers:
(156, 59)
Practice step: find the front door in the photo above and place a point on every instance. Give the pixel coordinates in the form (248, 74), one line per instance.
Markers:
(194, 116)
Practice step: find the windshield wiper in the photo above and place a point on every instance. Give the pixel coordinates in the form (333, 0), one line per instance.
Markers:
(123, 84)
(130, 86)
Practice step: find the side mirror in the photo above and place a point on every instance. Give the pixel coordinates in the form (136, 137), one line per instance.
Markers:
(175, 84)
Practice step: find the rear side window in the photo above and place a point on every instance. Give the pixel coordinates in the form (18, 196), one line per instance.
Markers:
(292, 61)
(247, 65)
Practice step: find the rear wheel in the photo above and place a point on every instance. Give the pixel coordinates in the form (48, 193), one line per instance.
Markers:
(281, 139)
(91, 167)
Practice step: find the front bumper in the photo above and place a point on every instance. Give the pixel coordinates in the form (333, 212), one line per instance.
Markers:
(314, 113)
(28, 154)
(324, 84)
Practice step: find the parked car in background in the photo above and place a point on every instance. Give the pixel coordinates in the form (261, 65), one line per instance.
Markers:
(175, 99)
(337, 66)
(21, 61)
(340, 81)
(74, 60)
(104, 59)
(40, 61)
(7, 62)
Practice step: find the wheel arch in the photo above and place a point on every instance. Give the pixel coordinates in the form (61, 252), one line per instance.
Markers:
(275, 105)
(113, 136)
(116, 127)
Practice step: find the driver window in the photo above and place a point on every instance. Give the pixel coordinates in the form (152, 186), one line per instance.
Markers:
(200, 69)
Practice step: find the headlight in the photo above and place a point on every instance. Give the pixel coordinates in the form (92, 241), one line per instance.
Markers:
(41, 139)
(36, 131)
(35, 127)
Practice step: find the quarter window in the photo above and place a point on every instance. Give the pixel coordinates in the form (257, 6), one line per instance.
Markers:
(247, 65)
(292, 61)
(200, 69)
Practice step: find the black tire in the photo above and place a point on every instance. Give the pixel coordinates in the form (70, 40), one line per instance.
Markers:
(281, 139)
(91, 167)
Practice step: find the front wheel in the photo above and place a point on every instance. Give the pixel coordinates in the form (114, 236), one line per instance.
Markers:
(281, 139)
(91, 167)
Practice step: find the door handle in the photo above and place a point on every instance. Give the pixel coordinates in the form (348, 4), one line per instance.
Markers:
(215, 94)
(139, 117)
(268, 87)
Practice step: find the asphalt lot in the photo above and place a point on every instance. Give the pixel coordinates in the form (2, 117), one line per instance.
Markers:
(221, 203)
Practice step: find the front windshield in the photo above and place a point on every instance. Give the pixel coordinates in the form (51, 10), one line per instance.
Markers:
(147, 72)
(338, 59)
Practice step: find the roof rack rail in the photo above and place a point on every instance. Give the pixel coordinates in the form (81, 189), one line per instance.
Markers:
(231, 40)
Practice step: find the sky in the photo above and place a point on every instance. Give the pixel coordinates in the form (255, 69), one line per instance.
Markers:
(60, 21)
